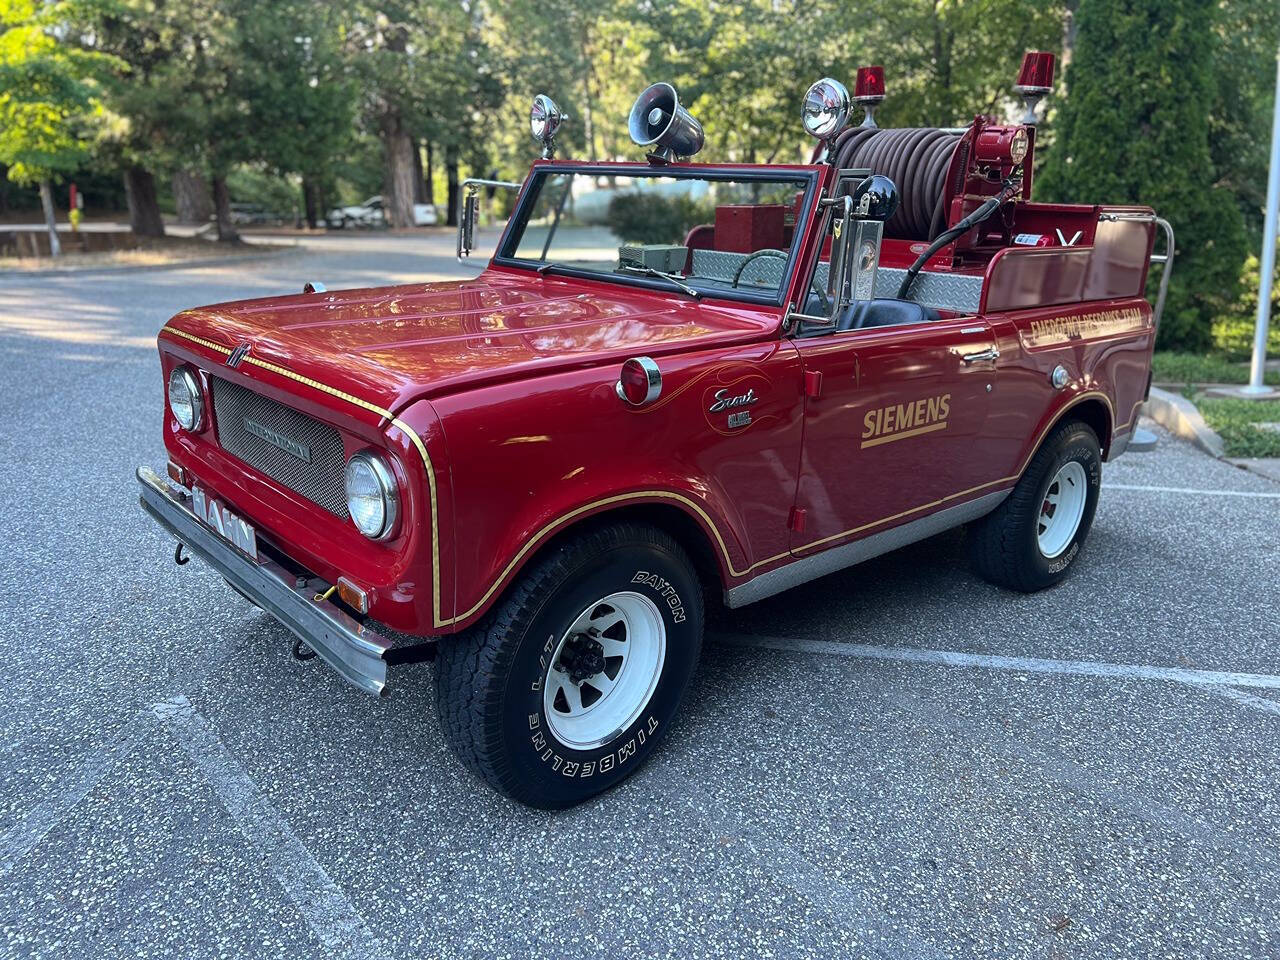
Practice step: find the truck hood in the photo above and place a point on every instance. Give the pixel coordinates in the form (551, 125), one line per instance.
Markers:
(393, 345)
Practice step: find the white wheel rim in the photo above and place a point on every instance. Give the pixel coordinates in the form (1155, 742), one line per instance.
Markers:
(1062, 509)
(587, 707)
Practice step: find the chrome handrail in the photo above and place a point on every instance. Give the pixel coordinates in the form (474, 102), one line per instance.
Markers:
(1165, 260)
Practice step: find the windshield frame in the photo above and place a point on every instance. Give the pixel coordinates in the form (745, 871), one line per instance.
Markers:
(809, 175)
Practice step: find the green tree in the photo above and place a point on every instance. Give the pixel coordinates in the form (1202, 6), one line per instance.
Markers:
(299, 94)
(156, 111)
(47, 96)
(946, 61)
(1132, 129)
(1246, 35)
(742, 68)
(425, 72)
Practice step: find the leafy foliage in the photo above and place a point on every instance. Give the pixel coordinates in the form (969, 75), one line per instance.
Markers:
(1238, 422)
(1233, 331)
(646, 217)
(1194, 368)
(1132, 130)
(1165, 103)
(48, 95)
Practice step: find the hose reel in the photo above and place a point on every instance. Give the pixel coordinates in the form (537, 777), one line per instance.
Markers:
(917, 160)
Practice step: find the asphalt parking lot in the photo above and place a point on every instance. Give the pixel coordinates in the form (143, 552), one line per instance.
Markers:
(896, 761)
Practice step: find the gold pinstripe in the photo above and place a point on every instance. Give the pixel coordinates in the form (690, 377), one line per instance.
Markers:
(639, 495)
(647, 495)
(399, 424)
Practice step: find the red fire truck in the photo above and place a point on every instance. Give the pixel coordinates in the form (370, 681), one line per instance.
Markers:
(540, 477)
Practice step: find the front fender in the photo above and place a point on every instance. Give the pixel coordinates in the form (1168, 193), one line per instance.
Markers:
(530, 459)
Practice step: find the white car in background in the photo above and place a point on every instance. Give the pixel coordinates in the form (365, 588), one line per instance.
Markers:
(371, 214)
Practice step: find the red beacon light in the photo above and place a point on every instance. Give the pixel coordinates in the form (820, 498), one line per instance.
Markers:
(868, 92)
(1035, 79)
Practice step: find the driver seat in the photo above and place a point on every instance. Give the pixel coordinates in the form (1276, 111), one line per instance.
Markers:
(863, 314)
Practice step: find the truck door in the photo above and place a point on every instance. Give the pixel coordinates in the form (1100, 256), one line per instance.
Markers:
(893, 427)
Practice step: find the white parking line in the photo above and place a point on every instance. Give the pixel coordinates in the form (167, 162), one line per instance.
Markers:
(950, 658)
(1193, 490)
(1248, 699)
(326, 909)
(23, 836)
(32, 828)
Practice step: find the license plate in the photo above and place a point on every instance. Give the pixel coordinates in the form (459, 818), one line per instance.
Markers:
(239, 533)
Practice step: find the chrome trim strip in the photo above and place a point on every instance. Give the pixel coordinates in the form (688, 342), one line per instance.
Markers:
(837, 558)
(354, 651)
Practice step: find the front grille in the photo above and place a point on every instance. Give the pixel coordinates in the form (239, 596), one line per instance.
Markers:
(290, 447)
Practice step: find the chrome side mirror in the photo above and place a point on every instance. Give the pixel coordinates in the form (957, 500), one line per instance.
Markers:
(469, 210)
(467, 222)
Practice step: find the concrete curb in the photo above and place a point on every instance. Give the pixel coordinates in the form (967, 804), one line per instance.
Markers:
(246, 258)
(1180, 417)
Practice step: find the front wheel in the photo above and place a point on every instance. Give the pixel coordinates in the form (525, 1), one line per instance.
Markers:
(567, 687)
(1032, 539)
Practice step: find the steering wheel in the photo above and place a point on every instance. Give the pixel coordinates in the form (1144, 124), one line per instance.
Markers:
(769, 252)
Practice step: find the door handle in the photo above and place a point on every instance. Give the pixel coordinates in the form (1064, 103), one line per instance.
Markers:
(989, 354)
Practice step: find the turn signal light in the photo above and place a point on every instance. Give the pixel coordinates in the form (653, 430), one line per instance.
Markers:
(352, 596)
(640, 382)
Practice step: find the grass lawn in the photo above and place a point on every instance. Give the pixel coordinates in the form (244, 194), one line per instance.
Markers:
(1236, 422)
(1169, 367)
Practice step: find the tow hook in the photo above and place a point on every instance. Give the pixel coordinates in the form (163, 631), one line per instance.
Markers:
(178, 558)
(302, 652)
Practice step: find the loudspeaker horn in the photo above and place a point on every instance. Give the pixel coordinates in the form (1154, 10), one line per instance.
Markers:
(658, 120)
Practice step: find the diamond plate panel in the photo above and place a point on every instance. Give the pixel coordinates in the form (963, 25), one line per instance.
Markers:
(946, 291)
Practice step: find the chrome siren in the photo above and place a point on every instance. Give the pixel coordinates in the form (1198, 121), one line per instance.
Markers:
(657, 120)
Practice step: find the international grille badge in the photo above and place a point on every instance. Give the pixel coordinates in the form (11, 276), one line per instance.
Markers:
(238, 355)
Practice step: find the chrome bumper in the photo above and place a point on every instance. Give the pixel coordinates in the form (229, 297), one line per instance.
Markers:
(353, 650)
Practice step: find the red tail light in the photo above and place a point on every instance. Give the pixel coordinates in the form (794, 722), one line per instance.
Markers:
(640, 382)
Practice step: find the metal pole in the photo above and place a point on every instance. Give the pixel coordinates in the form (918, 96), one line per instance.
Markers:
(1267, 266)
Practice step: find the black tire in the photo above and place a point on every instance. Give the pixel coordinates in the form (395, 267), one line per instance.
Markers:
(489, 680)
(1004, 546)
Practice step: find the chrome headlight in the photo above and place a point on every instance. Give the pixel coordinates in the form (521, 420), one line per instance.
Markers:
(185, 402)
(372, 498)
(825, 108)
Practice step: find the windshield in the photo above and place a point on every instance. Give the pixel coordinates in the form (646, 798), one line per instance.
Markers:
(724, 235)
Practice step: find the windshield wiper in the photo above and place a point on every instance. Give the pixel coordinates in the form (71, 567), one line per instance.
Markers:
(547, 267)
(670, 278)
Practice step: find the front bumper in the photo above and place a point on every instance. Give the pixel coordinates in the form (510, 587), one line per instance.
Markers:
(353, 650)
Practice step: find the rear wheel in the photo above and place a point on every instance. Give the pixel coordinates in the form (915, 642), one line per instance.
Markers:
(1032, 539)
(567, 687)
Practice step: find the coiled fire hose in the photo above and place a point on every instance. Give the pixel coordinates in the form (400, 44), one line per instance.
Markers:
(916, 159)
